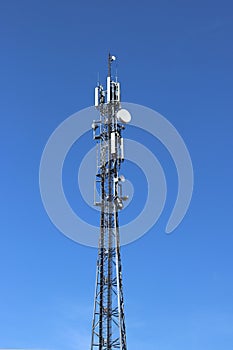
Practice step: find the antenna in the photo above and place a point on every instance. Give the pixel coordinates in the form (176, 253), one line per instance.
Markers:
(116, 71)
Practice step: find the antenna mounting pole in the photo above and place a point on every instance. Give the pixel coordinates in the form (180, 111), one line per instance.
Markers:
(109, 64)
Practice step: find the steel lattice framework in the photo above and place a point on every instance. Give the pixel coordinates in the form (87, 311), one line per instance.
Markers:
(108, 328)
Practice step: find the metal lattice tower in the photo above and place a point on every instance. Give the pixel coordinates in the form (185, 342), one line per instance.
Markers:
(108, 328)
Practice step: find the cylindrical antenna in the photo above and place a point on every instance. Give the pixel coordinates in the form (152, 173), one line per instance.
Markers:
(116, 71)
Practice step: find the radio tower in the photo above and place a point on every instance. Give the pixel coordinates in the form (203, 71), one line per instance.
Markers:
(108, 327)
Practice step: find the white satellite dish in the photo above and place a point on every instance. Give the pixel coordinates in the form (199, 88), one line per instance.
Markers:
(124, 116)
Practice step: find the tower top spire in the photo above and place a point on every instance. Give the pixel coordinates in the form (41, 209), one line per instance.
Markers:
(110, 59)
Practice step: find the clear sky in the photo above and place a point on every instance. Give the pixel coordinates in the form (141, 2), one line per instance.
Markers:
(173, 56)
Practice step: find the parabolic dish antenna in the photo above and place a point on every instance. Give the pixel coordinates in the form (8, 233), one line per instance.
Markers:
(123, 116)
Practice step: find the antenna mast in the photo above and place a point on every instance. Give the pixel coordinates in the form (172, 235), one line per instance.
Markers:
(108, 327)
(110, 58)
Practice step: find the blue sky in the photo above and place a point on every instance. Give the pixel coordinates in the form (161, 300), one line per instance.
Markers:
(175, 57)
